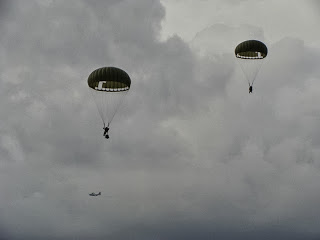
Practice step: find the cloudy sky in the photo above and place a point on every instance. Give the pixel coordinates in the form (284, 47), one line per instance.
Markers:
(191, 154)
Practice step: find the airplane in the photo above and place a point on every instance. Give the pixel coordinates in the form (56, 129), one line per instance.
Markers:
(94, 194)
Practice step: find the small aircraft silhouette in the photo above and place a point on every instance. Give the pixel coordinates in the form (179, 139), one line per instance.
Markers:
(95, 194)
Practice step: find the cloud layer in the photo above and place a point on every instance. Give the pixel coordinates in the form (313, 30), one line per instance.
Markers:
(190, 155)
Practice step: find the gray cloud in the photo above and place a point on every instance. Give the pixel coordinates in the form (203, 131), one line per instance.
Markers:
(191, 155)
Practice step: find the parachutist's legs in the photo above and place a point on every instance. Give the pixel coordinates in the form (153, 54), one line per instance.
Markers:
(250, 88)
(106, 131)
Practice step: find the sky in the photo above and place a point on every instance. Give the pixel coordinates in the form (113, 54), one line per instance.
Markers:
(191, 154)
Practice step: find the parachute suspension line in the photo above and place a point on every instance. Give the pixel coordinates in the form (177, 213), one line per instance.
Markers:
(259, 66)
(108, 104)
(117, 105)
(99, 110)
(250, 68)
(244, 71)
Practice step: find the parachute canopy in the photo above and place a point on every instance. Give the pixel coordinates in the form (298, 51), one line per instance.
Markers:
(109, 79)
(251, 49)
(108, 86)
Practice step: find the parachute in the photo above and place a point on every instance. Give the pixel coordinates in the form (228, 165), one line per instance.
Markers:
(109, 86)
(250, 55)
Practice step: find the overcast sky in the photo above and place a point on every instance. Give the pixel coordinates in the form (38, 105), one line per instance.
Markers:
(191, 154)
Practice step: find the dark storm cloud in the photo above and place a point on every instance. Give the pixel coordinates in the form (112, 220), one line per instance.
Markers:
(190, 155)
(281, 120)
(52, 129)
(4, 8)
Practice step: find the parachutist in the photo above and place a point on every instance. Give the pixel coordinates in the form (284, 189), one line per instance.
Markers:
(250, 89)
(106, 129)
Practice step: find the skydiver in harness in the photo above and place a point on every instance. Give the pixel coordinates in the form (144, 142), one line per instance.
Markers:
(106, 129)
(250, 88)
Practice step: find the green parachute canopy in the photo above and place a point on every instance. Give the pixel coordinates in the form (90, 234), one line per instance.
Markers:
(109, 79)
(251, 49)
(108, 86)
